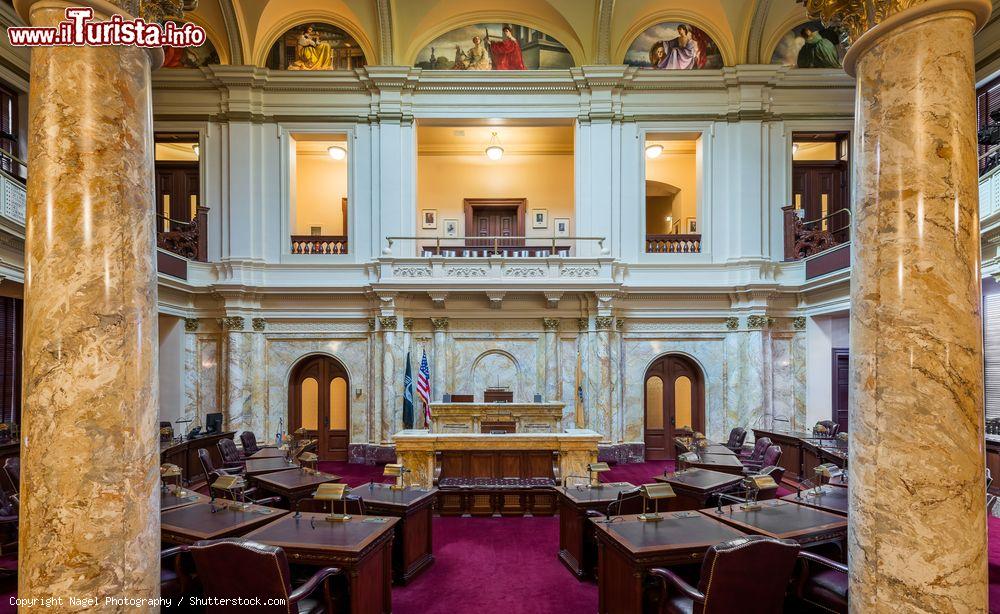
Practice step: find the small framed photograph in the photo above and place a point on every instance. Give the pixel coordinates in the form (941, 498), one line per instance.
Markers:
(539, 218)
(429, 219)
(450, 227)
(692, 225)
(562, 226)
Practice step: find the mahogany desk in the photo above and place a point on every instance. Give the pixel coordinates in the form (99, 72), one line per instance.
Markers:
(412, 550)
(267, 453)
(840, 480)
(184, 454)
(696, 487)
(260, 466)
(831, 499)
(188, 524)
(783, 520)
(293, 484)
(361, 547)
(629, 548)
(683, 444)
(169, 500)
(725, 463)
(577, 547)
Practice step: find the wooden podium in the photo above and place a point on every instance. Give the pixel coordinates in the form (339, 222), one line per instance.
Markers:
(496, 418)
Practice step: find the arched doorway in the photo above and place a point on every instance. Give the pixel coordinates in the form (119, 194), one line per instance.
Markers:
(674, 399)
(318, 401)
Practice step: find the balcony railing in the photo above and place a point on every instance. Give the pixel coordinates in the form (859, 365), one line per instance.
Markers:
(673, 244)
(188, 239)
(319, 244)
(807, 238)
(485, 247)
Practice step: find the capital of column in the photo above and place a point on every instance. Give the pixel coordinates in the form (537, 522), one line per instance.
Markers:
(604, 322)
(387, 322)
(408, 324)
(550, 323)
(868, 21)
(232, 323)
(439, 323)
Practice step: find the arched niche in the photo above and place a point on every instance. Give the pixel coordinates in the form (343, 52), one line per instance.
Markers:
(493, 369)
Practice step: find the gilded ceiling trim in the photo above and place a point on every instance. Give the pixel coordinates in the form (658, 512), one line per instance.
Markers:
(856, 16)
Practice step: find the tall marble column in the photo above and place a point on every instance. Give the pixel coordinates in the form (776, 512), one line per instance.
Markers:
(917, 537)
(375, 387)
(581, 389)
(602, 391)
(440, 326)
(389, 383)
(89, 510)
(551, 326)
(238, 409)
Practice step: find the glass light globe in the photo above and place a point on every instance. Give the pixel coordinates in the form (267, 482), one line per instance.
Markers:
(337, 153)
(654, 151)
(494, 152)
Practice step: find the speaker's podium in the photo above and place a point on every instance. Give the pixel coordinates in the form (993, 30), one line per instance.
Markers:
(496, 414)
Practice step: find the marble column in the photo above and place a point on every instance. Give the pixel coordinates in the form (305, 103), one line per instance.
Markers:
(389, 383)
(580, 389)
(375, 388)
(191, 373)
(238, 409)
(617, 368)
(257, 389)
(602, 391)
(440, 326)
(551, 326)
(917, 538)
(89, 517)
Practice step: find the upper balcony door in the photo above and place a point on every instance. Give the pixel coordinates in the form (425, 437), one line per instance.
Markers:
(495, 218)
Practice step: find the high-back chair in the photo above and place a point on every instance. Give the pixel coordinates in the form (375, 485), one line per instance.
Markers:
(821, 584)
(231, 457)
(749, 575)
(737, 437)
(831, 427)
(628, 502)
(771, 457)
(249, 441)
(234, 568)
(213, 473)
(757, 454)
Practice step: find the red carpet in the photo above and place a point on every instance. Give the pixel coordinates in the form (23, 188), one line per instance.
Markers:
(355, 474)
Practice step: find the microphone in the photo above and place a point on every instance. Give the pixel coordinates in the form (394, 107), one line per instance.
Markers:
(718, 504)
(298, 512)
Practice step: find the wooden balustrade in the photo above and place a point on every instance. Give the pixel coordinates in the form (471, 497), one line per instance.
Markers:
(804, 239)
(186, 239)
(673, 244)
(319, 244)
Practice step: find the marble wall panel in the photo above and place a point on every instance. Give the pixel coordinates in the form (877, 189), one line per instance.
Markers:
(478, 360)
(568, 361)
(208, 377)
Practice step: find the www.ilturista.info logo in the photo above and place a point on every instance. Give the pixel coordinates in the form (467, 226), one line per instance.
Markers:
(79, 29)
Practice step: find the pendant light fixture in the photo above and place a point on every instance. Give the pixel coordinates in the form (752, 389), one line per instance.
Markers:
(653, 151)
(494, 151)
(337, 152)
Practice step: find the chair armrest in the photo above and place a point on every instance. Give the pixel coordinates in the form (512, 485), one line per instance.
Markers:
(822, 560)
(594, 514)
(669, 578)
(169, 552)
(312, 584)
(267, 501)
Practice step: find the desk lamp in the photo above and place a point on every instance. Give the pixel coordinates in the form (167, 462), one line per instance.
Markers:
(233, 484)
(170, 470)
(754, 484)
(595, 469)
(655, 492)
(686, 458)
(395, 470)
(828, 471)
(307, 458)
(331, 493)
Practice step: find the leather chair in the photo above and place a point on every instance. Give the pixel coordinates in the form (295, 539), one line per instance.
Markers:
(628, 502)
(231, 457)
(757, 454)
(231, 568)
(771, 457)
(737, 437)
(177, 575)
(12, 469)
(351, 504)
(9, 520)
(831, 427)
(214, 473)
(748, 574)
(820, 583)
(249, 441)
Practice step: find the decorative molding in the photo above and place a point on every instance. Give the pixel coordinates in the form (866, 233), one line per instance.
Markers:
(583, 324)
(605, 10)
(799, 323)
(524, 271)
(438, 297)
(408, 324)
(661, 326)
(411, 271)
(604, 322)
(496, 298)
(552, 299)
(191, 325)
(757, 24)
(439, 324)
(232, 323)
(550, 324)
(232, 25)
(320, 327)
(258, 324)
(467, 272)
(855, 16)
(759, 321)
(732, 323)
(383, 10)
(387, 322)
(371, 324)
(579, 272)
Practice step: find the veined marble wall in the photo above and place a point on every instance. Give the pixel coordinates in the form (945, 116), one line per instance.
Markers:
(754, 368)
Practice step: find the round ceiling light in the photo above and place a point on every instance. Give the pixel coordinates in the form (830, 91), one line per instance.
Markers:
(493, 150)
(337, 152)
(654, 151)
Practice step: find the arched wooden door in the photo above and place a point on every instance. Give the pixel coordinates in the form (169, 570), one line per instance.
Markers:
(318, 401)
(674, 399)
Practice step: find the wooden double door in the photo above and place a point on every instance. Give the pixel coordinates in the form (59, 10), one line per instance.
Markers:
(495, 217)
(674, 401)
(319, 401)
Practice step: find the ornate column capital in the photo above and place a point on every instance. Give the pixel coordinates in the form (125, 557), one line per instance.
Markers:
(232, 323)
(371, 324)
(759, 321)
(550, 323)
(408, 324)
(604, 322)
(387, 322)
(732, 323)
(439, 324)
(258, 324)
(583, 324)
(799, 323)
(191, 325)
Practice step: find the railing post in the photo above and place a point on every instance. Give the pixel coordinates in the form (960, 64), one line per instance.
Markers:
(789, 216)
(201, 224)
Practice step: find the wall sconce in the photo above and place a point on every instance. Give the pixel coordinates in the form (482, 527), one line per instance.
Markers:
(337, 152)
(494, 151)
(654, 151)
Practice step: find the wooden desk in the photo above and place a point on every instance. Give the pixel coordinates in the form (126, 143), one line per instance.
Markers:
(293, 484)
(696, 487)
(832, 499)
(188, 524)
(360, 547)
(169, 500)
(267, 453)
(684, 444)
(412, 545)
(801, 452)
(260, 466)
(841, 481)
(783, 520)
(577, 546)
(629, 548)
(184, 454)
(724, 463)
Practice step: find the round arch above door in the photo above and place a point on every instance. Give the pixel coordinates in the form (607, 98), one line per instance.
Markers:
(318, 401)
(674, 397)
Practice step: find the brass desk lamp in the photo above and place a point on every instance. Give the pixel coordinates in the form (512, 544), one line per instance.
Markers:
(655, 492)
(170, 470)
(754, 484)
(308, 458)
(234, 484)
(395, 470)
(595, 469)
(331, 493)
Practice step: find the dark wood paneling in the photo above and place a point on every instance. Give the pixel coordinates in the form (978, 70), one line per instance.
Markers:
(829, 261)
(841, 384)
(172, 265)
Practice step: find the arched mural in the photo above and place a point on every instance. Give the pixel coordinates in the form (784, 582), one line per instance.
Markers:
(190, 57)
(673, 45)
(811, 45)
(494, 46)
(315, 46)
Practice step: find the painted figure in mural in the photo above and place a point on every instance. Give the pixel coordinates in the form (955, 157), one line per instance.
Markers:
(506, 52)
(681, 53)
(478, 58)
(311, 53)
(818, 51)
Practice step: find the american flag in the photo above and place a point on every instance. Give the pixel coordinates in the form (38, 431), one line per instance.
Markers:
(424, 385)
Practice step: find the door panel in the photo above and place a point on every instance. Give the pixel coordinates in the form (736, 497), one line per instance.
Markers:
(675, 399)
(841, 381)
(318, 401)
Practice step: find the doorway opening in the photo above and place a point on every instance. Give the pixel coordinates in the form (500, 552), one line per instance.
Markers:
(674, 401)
(318, 402)
(821, 181)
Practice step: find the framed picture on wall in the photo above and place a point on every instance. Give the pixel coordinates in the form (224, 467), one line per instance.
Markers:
(450, 227)
(539, 218)
(692, 225)
(429, 219)
(562, 226)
